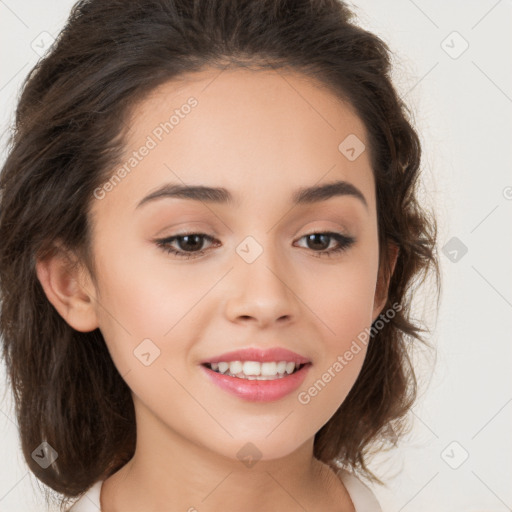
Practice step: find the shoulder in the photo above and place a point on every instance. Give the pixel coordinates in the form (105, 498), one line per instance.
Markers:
(361, 495)
(89, 501)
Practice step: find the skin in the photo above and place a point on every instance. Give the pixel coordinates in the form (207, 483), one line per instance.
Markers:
(261, 135)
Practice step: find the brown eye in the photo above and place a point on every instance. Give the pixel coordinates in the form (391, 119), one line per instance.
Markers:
(188, 245)
(191, 245)
(190, 242)
(319, 243)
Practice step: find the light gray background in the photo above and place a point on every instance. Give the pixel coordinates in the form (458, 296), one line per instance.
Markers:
(463, 108)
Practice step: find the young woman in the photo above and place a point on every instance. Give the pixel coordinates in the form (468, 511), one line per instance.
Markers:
(210, 235)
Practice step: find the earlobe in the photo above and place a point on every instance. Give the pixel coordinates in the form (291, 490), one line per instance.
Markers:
(381, 290)
(66, 291)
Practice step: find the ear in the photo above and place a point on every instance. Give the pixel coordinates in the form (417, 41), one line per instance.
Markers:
(383, 279)
(69, 289)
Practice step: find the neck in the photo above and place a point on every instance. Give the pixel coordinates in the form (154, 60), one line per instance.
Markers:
(169, 472)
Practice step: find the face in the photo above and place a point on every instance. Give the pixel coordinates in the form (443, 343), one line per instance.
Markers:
(184, 280)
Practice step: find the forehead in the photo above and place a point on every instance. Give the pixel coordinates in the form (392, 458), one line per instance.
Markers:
(259, 133)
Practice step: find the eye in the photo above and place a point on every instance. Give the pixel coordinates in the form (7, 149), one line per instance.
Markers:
(321, 242)
(191, 245)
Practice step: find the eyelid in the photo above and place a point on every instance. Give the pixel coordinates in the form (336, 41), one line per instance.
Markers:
(344, 242)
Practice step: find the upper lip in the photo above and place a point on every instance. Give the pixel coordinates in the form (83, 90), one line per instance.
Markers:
(260, 355)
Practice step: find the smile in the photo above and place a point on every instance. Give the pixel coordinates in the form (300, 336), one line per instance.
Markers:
(261, 387)
(254, 370)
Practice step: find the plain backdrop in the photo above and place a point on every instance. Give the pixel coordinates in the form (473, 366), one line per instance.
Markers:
(452, 66)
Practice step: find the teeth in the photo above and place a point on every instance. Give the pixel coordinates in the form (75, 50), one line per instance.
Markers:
(235, 367)
(269, 368)
(281, 367)
(251, 368)
(254, 370)
(223, 367)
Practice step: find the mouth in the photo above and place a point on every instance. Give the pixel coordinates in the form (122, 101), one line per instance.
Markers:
(254, 381)
(255, 370)
(257, 375)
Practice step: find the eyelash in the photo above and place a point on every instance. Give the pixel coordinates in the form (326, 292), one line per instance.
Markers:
(344, 243)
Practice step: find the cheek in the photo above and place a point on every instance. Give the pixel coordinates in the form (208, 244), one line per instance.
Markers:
(345, 312)
(135, 305)
(139, 291)
(343, 299)
(343, 302)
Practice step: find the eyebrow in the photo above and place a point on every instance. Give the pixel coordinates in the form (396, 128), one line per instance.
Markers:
(306, 195)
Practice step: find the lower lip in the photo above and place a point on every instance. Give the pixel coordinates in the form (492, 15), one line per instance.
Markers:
(259, 390)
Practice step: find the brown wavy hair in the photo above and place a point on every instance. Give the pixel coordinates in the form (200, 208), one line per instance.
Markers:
(68, 135)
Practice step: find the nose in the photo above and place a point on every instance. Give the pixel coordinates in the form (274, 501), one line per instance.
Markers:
(262, 292)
